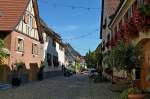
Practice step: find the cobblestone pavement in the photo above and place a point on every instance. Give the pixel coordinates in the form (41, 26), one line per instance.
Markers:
(75, 87)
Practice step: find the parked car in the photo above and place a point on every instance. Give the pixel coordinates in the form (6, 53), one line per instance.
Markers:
(92, 72)
(68, 73)
(86, 72)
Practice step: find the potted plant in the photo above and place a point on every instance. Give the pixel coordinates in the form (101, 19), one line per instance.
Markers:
(135, 93)
(132, 93)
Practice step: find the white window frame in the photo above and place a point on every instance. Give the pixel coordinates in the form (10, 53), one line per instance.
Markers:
(22, 50)
(35, 50)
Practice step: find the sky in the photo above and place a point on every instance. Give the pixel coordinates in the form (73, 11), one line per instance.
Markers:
(77, 26)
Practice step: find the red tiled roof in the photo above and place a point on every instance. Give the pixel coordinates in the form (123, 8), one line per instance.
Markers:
(10, 13)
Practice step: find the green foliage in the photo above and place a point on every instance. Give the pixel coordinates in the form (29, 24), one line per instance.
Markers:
(124, 57)
(125, 93)
(134, 91)
(78, 65)
(75, 66)
(91, 60)
(2, 52)
(145, 10)
(99, 58)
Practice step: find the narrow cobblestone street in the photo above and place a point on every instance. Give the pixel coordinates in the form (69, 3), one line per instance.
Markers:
(75, 87)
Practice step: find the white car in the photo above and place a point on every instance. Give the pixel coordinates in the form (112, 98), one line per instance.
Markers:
(92, 72)
(85, 72)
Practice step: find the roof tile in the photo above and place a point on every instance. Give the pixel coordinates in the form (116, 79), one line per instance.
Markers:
(10, 13)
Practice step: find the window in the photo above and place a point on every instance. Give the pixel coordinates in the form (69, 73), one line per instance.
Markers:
(54, 43)
(125, 17)
(49, 60)
(130, 12)
(34, 49)
(20, 45)
(138, 73)
(120, 24)
(135, 5)
(55, 61)
(28, 19)
(140, 2)
(115, 29)
(108, 37)
(60, 47)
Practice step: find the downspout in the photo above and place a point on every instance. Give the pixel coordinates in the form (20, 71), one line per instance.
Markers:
(102, 17)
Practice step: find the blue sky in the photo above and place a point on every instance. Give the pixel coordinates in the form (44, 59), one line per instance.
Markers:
(79, 27)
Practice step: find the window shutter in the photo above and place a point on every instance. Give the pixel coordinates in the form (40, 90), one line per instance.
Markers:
(16, 44)
(37, 49)
(26, 18)
(23, 46)
(34, 23)
(32, 48)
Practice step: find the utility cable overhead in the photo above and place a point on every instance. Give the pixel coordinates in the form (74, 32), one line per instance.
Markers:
(82, 36)
(71, 6)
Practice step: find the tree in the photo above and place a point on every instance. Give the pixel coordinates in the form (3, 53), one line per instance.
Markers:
(99, 59)
(90, 59)
(3, 54)
(110, 61)
(125, 57)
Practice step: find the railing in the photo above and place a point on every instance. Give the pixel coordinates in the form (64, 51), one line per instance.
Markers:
(4, 61)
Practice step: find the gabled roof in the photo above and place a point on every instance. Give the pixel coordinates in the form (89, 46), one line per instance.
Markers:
(45, 26)
(48, 29)
(11, 12)
(72, 50)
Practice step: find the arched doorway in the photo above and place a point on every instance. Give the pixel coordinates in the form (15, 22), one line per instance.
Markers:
(145, 69)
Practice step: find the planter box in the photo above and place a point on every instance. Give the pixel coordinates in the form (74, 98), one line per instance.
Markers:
(136, 96)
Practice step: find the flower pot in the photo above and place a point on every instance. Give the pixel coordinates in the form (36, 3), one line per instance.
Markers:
(136, 96)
